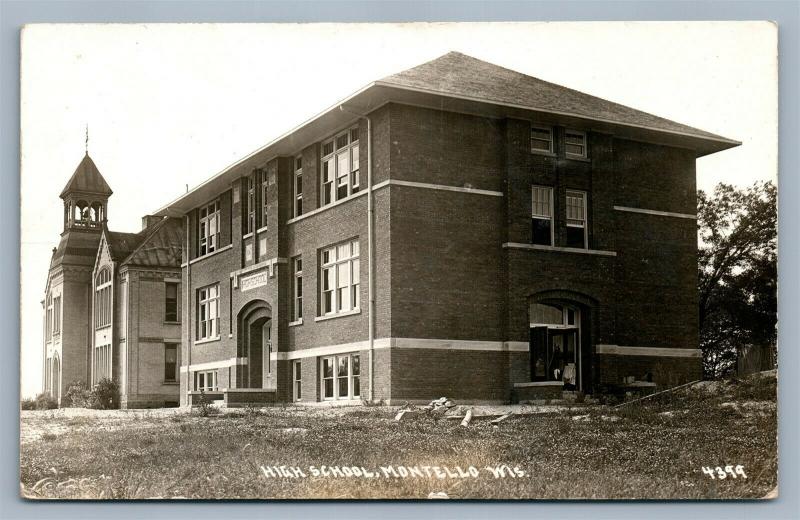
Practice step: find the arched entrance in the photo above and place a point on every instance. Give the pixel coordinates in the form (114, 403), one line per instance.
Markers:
(55, 382)
(254, 344)
(560, 339)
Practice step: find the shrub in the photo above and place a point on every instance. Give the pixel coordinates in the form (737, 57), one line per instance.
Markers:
(105, 394)
(28, 404)
(204, 406)
(77, 395)
(46, 402)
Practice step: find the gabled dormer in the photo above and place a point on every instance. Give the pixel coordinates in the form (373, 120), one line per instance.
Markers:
(85, 197)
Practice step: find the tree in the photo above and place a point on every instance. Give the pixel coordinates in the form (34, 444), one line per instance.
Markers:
(737, 264)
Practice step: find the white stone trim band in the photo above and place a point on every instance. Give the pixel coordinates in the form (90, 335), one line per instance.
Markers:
(210, 365)
(442, 187)
(655, 212)
(620, 350)
(404, 343)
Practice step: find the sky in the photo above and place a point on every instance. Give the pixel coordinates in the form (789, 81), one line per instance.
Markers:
(169, 105)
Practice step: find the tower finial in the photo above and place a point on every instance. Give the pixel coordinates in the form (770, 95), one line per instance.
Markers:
(87, 138)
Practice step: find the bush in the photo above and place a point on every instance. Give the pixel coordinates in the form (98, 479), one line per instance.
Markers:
(204, 406)
(46, 402)
(105, 395)
(77, 395)
(28, 404)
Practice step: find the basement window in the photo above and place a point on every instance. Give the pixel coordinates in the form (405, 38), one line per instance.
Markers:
(205, 381)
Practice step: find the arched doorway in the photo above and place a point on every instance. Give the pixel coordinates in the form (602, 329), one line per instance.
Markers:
(55, 382)
(254, 344)
(561, 339)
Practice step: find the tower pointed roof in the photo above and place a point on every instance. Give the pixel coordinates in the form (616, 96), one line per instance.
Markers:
(87, 179)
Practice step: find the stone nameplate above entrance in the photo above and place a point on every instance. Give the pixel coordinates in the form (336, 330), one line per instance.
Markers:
(257, 275)
(254, 280)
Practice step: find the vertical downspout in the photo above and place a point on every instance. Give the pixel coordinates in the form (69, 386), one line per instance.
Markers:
(370, 278)
(370, 255)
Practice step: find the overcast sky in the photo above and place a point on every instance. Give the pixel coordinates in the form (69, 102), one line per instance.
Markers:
(171, 105)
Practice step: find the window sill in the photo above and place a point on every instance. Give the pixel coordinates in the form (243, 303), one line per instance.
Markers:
(557, 249)
(207, 255)
(262, 229)
(296, 322)
(169, 322)
(170, 383)
(577, 158)
(338, 315)
(543, 153)
(207, 340)
(247, 235)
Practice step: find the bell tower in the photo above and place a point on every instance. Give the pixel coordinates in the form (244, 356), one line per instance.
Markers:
(85, 197)
(68, 326)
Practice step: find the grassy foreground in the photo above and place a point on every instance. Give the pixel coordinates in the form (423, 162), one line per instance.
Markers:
(655, 449)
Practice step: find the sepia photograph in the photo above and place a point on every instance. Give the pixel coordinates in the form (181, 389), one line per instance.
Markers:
(404, 261)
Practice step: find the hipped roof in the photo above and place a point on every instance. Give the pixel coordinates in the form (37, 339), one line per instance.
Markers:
(458, 82)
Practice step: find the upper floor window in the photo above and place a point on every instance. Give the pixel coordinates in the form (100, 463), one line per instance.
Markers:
(297, 309)
(298, 186)
(57, 315)
(542, 139)
(264, 185)
(208, 240)
(208, 312)
(340, 167)
(102, 299)
(576, 219)
(340, 278)
(575, 144)
(170, 301)
(48, 321)
(542, 215)
(250, 205)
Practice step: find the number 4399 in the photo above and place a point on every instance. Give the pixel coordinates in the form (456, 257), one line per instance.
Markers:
(722, 473)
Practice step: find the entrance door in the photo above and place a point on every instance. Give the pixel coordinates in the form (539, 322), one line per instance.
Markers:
(563, 359)
(555, 355)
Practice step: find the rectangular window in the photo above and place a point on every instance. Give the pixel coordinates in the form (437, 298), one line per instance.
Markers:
(541, 139)
(542, 215)
(57, 315)
(340, 278)
(171, 301)
(102, 363)
(341, 377)
(170, 361)
(298, 186)
(264, 183)
(297, 381)
(340, 167)
(205, 381)
(298, 289)
(576, 220)
(250, 205)
(575, 143)
(102, 299)
(208, 312)
(48, 327)
(262, 248)
(208, 229)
